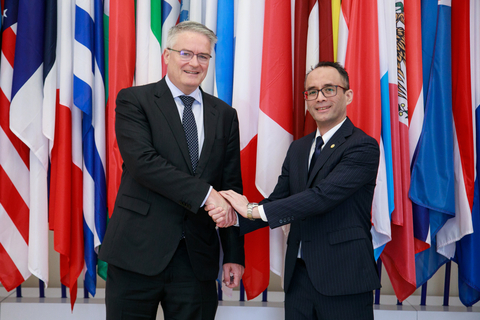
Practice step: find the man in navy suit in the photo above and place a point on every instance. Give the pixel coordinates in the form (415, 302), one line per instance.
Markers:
(161, 246)
(325, 193)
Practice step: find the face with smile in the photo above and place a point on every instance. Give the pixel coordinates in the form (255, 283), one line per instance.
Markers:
(327, 112)
(187, 75)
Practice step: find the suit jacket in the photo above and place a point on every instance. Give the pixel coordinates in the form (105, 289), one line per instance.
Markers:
(329, 211)
(159, 197)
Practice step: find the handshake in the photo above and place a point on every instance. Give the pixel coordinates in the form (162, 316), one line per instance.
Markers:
(221, 207)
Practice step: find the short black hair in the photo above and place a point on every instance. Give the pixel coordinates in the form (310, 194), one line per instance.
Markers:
(341, 70)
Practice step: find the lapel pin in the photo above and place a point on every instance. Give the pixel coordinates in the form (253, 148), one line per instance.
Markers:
(332, 146)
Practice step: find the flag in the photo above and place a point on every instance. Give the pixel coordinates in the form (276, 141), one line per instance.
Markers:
(14, 170)
(399, 254)
(89, 97)
(246, 97)
(432, 185)
(463, 143)
(275, 123)
(468, 248)
(184, 10)
(148, 41)
(415, 102)
(121, 68)
(65, 205)
(205, 12)
(225, 47)
(421, 219)
(102, 266)
(381, 232)
(26, 122)
(50, 71)
(319, 45)
(306, 55)
(170, 17)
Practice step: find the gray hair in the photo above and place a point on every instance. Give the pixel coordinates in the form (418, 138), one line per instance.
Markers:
(191, 26)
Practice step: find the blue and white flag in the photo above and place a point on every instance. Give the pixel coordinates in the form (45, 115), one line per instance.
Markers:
(89, 97)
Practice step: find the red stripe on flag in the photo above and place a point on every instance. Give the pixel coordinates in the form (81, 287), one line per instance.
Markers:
(14, 204)
(257, 259)
(71, 265)
(302, 12)
(326, 30)
(66, 202)
(22, 150)
(10, 38)
(121, 71)
(10, 277)
(462, 92)
(60, 180)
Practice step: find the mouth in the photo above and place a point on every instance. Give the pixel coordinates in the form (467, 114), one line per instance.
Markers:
(191, 72)
(323, 108)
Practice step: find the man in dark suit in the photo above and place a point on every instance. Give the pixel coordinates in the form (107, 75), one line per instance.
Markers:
(179, 146)
(325, 193)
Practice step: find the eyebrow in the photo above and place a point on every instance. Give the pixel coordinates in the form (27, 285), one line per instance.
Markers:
(326, 85)
(208, 54)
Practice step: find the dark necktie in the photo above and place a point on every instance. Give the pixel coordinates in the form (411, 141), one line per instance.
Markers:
(316, 153)
(190, 128)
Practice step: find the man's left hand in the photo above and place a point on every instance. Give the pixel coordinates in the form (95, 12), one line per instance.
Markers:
(232, 274)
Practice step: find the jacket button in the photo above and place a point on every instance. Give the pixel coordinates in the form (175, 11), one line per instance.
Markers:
(281, 221)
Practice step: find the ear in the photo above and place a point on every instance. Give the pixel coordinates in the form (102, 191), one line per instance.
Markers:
(349, 96)
(166, 56)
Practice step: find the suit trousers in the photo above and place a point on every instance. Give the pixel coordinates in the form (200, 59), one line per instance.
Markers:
(133, 296)
(304, 302)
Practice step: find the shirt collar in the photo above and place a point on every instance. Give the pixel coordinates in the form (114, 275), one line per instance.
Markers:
(329, 133)
(177, 92)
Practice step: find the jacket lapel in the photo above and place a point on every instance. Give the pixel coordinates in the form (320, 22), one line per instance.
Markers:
(304, 160)
(335, 141)
(166, 104)
(210, 119)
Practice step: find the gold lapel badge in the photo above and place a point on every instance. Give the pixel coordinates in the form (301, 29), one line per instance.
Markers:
(332, 146)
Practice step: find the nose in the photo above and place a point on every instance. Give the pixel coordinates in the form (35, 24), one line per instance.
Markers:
(320, 97)
(194, 61)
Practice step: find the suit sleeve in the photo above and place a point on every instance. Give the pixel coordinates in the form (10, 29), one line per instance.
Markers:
(144, 163)
(357, 167)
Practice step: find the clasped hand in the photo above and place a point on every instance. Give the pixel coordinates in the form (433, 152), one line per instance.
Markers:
(221, 207)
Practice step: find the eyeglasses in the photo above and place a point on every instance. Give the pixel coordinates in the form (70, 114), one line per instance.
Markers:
(327, 91)
(187, 55)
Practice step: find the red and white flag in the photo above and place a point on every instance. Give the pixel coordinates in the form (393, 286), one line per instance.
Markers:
(14, 171)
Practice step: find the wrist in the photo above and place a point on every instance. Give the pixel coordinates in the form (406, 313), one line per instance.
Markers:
(250, 207)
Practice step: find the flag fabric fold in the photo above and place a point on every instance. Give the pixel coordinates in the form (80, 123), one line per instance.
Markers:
(245, 99)
(432, 185)
(467, 254)
(26, 110)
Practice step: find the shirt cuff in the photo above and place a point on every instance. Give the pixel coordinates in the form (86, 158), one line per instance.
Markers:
(208, 195)
(262, 213)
